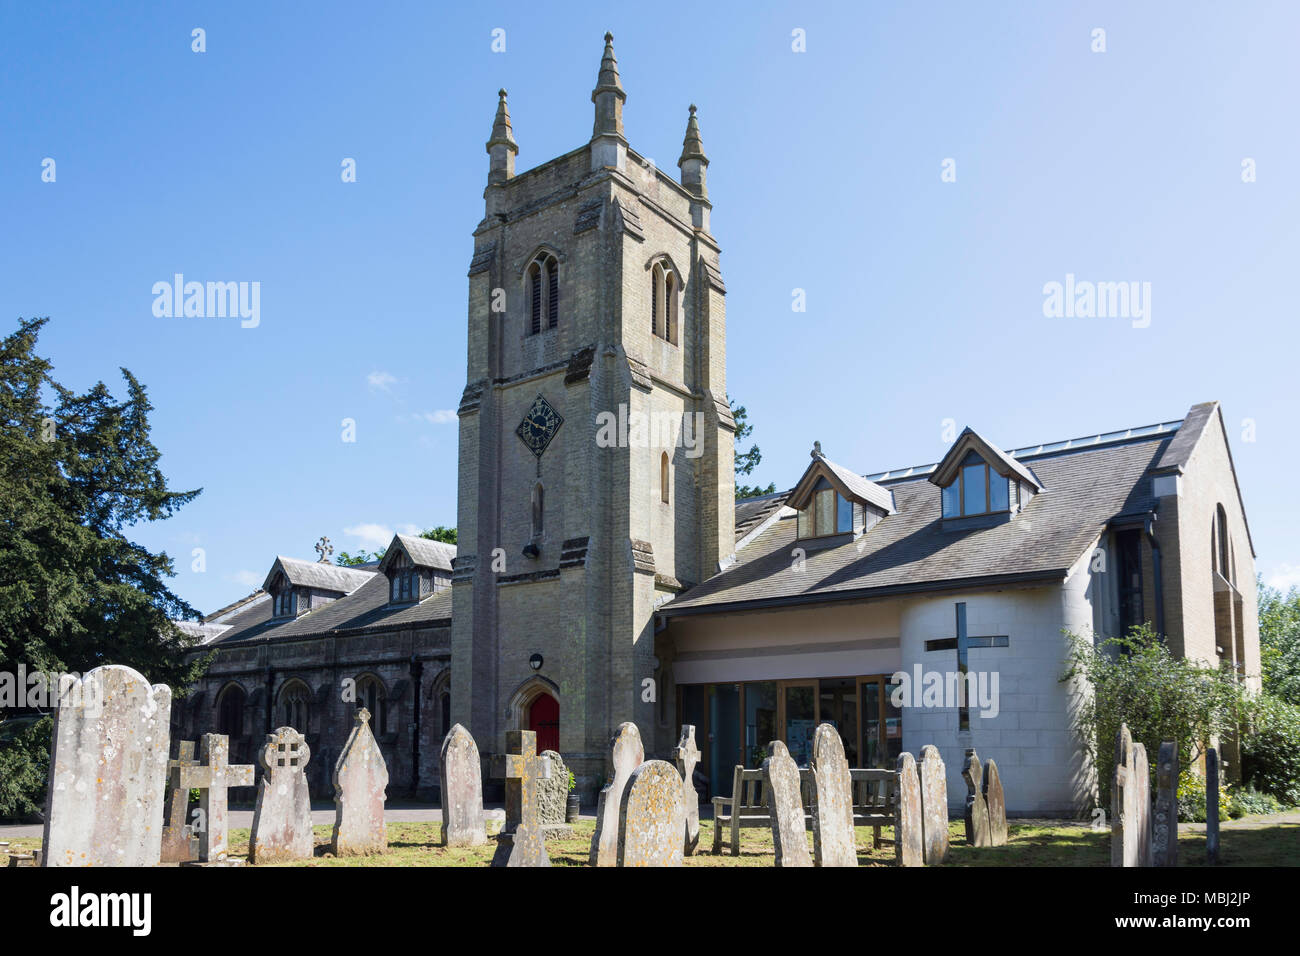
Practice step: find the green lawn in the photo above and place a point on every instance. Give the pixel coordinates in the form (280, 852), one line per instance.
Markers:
(416, 844)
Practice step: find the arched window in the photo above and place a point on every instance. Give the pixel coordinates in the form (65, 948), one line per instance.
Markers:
(663, 302)
(370, 695)
(539, 509)
(543, 293)
(295, 699)
(1222, 546)
(230, 711)
(663, 477)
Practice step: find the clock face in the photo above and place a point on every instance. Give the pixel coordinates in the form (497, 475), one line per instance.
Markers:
(539, 426)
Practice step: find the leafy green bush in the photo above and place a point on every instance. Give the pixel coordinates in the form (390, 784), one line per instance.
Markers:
(24, 762)
(1270, 748)
(1252, 801)
(1192, 799)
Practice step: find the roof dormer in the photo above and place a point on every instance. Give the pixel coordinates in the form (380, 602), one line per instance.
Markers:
(416, 568)
(297, 587)
(833, 501)
(978, 480)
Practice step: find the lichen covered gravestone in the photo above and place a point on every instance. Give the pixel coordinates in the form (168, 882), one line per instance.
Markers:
(687, 755)
(995, 802)
(462, 790)
(934, 805)
(213, 776)
(628, 754)
(651, 817)
(1164, 829)
(108, 770)
(781, 777)
(522, 768)
(1130, 802)
(282, 817)
(909, 845)
(977, 811)
(360, 789)
(180, 844)
(832, 811)
(553, 798)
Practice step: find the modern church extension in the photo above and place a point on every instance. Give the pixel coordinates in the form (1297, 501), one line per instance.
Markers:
(597, 582)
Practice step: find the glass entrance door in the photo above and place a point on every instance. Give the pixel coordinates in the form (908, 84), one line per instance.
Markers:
(798, 718)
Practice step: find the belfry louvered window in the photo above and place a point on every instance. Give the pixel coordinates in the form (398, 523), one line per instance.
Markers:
(543, 294)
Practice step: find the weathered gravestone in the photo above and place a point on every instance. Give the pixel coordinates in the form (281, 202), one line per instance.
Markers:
(108, 770)
(461, 787)
(1130, 803)
(212, 777)
(521, 844)
(832, 811)
(909, 844)
(180, 844)
(360, 789)
(995, 802)
(1211, 805)
(553, 798)
(977, 811)
(282, 817)
(628, 754)
(651, 817)
(934, 805)
(687, 755)
(785, 807)
(1164, 829)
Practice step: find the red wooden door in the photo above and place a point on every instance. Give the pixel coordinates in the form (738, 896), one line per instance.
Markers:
(544, 719)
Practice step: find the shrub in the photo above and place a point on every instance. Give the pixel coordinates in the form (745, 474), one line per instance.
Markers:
(24, 762)
(1270, 748)
(1252, 801)
(1192, 799)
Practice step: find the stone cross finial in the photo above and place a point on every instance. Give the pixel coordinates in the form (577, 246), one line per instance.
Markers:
(324, 549)
(213, 779)
(522, 767)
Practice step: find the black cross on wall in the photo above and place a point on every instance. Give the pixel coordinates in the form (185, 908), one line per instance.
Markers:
(962, 643)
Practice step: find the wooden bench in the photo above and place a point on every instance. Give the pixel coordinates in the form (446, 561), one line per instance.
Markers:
(746, 807)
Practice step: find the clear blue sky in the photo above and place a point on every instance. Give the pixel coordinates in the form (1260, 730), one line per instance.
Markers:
(924, 298)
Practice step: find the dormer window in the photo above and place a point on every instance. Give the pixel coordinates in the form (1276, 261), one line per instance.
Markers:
(976, 490)
(826, 513)
(282, 596)
(403, 583)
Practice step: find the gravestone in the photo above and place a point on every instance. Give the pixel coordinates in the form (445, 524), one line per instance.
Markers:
(1164, 829)
(909, 842)
(360, 789)
(977, 811)
(1212, 805)
(180, 844)
(934, 805)
(628, 754)
(108, 770)
(785, 808)
(651, 817)
(687, 755)
(1130, 803)
(832, 811)
(282, 817)
(213, 776)
(523, 767)
(995, 802)
(461, 775)
(553, 798)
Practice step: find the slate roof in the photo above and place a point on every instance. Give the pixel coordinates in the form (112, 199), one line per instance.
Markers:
(318, 574)
(367, 608)
(751, 512)
(1003, 463)
(911, 551)
(424, 552)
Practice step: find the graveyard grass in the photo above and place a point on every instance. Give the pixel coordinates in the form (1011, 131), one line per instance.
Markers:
(416, 844)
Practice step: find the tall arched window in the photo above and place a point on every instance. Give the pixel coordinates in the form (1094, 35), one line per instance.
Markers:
(1222, 544)
(230, 711)
(663, 477)
(295, 698)
(663, 302)
(543, 293)
(370, 695)
(539, 509)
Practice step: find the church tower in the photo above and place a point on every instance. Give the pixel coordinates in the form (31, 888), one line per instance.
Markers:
(596, 472)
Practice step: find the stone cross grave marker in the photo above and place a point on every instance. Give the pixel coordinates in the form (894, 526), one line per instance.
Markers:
(628, 754)
(461, 774)
(687, 755)
(909, 842)
(1130, 802)
(360, 789)
(213, 776)
(1211, 805)
(282, 817)
(521, 768)
(995, 802)
(1164, 829)
(934, 805)
(977, 811)
(180, 844)
(651, 817)
(108, 770)
(832, 811)
(781, 777)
